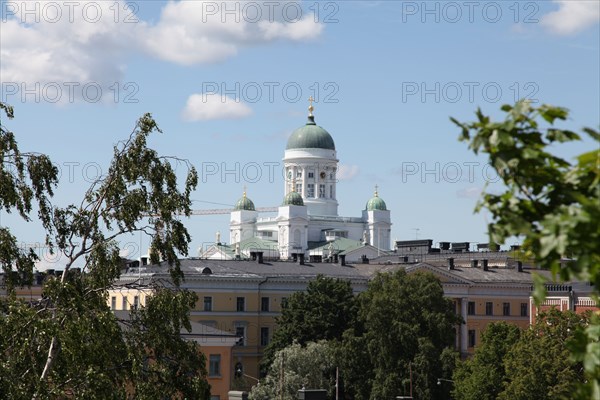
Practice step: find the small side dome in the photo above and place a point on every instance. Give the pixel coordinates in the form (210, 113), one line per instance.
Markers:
(293, 198)
(244, 204)
(376, 202)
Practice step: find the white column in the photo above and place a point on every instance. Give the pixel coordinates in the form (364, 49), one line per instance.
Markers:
(464, 334)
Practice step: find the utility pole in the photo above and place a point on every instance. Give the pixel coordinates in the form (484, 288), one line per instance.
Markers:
(337, 383)
(281, 380)
(410, 372)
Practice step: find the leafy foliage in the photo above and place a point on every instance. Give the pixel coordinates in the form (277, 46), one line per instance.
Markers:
(552, 203)
(311, 366)
(323, 312)
(69, 344)
(530, 364)
(482, 377)
(26, 179)
(538, 367)
(404, 323)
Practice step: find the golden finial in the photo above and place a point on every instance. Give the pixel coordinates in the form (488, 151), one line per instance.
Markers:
(376, 191)
(310, 107)
(244, 191)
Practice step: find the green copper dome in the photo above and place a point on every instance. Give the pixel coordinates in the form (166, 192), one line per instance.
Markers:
(310, 136)
(376, 203)
(293, 199)
(244, 204)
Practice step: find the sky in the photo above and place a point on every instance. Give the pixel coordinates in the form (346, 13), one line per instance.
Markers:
(228, 82)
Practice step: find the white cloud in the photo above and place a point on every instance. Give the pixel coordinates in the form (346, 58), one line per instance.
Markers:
(572, 16)
(43, 46)
(200, 107)
(194, 32)
(347, 172)
(72, 44)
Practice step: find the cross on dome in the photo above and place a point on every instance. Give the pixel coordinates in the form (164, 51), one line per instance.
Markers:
(310, 106)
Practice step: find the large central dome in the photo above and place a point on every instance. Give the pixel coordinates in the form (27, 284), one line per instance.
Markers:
(310, 136)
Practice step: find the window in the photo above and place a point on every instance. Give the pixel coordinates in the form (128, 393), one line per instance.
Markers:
(124, 303)
(331, 191)
(136, 302)
(264, 336)
(489, 308)
(311, 174)
(299, 173)
(284, 301)
(310, 190)
(524, 309)
(214, 365)
(113, 303)
(321, 190)
(215, 397)
(264, 304)
(471, 308)
(471, 338)
(299, 188)
(207, 303)
(241, 304)
(240, 331)
(505, 309)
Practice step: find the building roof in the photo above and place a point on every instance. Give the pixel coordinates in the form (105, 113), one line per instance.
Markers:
(479, 275)
(310, 136)
(250, 269)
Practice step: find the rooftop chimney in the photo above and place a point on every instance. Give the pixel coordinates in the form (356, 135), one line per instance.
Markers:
(485, 264)
(300, 258)
(474, 263)
(520, 266)
(342, 258)
(450, 264)
(259, 257)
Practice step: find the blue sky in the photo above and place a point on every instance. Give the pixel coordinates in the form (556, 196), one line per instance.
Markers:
(387, 76)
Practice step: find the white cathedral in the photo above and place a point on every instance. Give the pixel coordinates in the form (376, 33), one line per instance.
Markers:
(307, 224)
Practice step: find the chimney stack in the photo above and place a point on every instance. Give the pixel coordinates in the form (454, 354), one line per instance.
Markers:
(485, 264)
(342, 258)
(259, 257)
(520, 266)
(300, 258)
(450, 264)
(474, 263)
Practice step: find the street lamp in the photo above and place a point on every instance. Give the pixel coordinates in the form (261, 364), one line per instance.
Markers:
(239, 372)
(439, 380)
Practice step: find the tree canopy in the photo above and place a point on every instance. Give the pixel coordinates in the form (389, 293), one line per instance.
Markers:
(550, 202)
(323, 312)
(482, 377)
(311, 366)
(404, 323)
(69, 343)
(529, 364)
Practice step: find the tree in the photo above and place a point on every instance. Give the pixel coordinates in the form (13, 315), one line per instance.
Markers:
(482, 377)
(26, 179)
(69, 343)
(404, 323)
(311, 366)
(323, 312)
(538, 367)
(550, 202)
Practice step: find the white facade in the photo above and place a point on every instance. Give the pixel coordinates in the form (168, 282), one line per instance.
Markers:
(311, 172)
